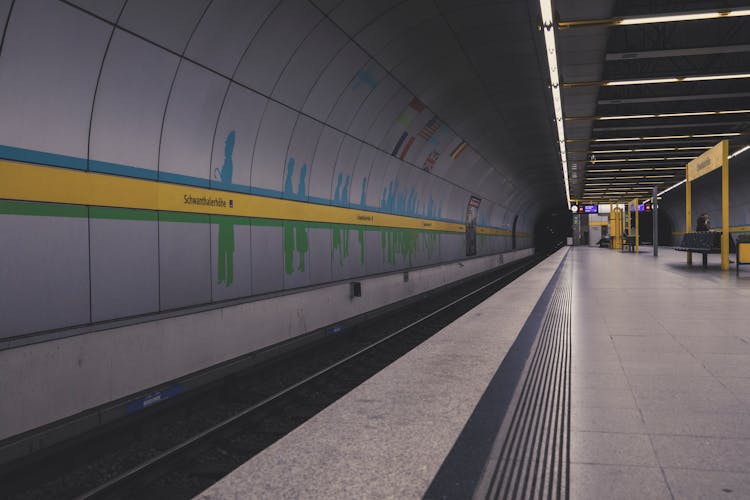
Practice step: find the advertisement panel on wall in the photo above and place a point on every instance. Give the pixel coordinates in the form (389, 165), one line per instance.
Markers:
(472, 211)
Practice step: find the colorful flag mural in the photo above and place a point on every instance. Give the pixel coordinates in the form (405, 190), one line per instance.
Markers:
(458, 150)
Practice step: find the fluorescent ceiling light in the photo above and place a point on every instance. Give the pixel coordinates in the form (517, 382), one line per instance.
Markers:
(656, 80)
(548, 21)
(728, 134)
(687, 16)
(641, 150)
(617, 139)
(672, 187)
(659, 137)
(660, 115)
(637, 160)
(732, 76)
(733, 155)
(657, 18)
(739, 152)
(644, 81)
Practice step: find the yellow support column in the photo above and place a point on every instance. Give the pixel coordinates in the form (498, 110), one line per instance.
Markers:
(637, 228)
(688, 214)
(724, 205)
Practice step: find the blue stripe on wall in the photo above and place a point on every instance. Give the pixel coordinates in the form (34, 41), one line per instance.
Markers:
(56, 160)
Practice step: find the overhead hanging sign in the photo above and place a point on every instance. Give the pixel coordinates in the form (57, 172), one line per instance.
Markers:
(707, 162)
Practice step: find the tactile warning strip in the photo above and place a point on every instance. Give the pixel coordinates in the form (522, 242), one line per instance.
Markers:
(531, 455)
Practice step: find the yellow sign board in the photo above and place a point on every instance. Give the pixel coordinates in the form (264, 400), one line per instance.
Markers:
(707, 162)
(743, 253)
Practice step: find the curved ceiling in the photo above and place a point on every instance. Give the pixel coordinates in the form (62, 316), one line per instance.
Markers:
(618, 147)
(477, 65)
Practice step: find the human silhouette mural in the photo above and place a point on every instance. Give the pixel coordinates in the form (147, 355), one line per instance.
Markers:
(295, 232)
(226, 225)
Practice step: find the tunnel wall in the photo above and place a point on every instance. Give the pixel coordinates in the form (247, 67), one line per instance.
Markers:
(167, 155)
(706, 197)
(48, 381)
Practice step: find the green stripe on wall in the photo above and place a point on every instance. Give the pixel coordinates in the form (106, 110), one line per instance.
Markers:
(122, 214)
(78, 211)
(42, 209)
(183, 217)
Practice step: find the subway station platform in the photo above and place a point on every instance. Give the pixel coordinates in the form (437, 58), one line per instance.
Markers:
(597, 374)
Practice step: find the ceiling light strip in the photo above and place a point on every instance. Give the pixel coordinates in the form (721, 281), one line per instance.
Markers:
(659, 115)
(636, 160)
(733, 155)
(655, 80)
(638, 150)
(659, 18)
(687, 51)
(548, 22)
(660, 137)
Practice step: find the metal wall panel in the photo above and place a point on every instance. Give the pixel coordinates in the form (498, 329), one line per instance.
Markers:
(234, 141)
(374, 251)
(360, 177)
(452, 246)
(296, 247)
(124, 265)
(44, 272)
(230, 257)
(375, 181)
(48, 70)
(384, 91)
(4, 12)
(321, 239)
(400, 18)
(326, 5)
(153, 112)
(130, 101)
(184, 262)
(275, 44)
(307, 63)
(267, 258)
(190, 122)
(108, 9)
(342, 176)
(332, 82)
(363, 80)
(269, 156)
(354, 15)
(168, 23)
(300, 158)
(387, 118)
(348, 256)
(321, 176)
(225, 32)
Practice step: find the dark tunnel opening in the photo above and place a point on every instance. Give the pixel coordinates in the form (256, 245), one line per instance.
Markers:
(551, 229)
(646, 228)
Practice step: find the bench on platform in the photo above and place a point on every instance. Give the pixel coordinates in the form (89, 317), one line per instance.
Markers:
(743, 251)
(628, 241)
(704, 242)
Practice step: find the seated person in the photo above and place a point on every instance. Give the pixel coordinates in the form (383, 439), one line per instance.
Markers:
(703, 223)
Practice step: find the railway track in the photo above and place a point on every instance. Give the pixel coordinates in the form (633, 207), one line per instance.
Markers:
(185, 448)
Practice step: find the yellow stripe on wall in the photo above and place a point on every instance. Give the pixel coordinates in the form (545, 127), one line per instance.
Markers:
(497, 232)
(26, 182)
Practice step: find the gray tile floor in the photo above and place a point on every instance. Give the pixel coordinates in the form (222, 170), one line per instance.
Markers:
(661, 378)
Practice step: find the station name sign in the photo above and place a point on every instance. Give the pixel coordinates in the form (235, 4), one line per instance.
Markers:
(707, 162)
